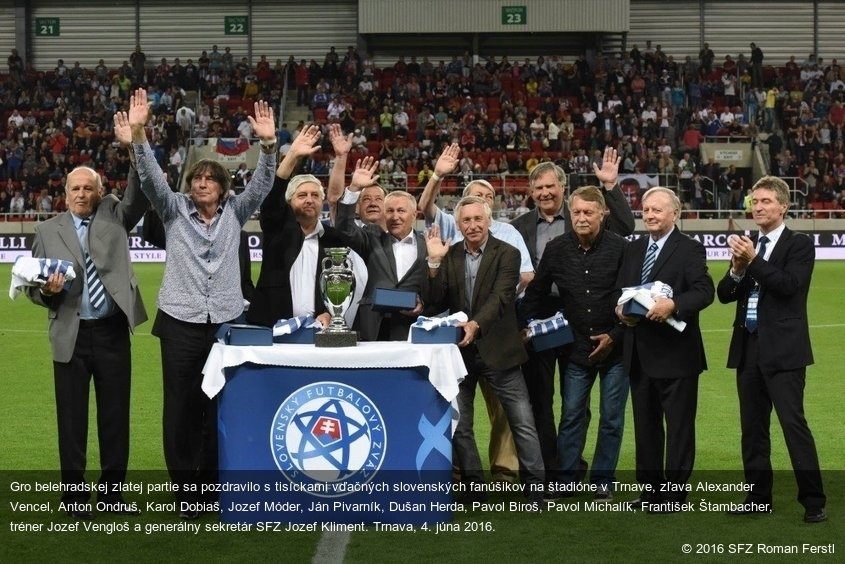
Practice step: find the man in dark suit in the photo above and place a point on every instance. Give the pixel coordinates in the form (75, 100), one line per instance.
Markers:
(294, 241)
(769, 279)
(664, 364)
(477, 276)
(395, 256)
(89, 328)
(550, 219)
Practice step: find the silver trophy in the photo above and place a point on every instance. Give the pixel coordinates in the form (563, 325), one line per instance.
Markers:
(337, 286)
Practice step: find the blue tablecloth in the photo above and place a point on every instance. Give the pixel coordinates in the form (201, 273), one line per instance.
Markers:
(314, 444)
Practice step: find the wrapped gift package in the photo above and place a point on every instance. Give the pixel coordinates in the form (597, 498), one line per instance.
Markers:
(553, 339)
(387, 301)
(235, 334)
(633, 308)
(302, 336)
(437, 336)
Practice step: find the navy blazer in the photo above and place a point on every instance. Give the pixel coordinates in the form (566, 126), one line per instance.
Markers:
(782, 306)
(662, 351)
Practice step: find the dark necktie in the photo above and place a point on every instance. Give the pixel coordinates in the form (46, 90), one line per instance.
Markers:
(96, 291)
(754, 296)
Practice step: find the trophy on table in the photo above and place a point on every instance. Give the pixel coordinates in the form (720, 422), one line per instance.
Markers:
(337, 286)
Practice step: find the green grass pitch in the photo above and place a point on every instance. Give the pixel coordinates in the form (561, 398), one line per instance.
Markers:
(27, 436)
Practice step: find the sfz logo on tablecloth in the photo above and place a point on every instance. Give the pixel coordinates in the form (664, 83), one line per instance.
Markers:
(331, 434)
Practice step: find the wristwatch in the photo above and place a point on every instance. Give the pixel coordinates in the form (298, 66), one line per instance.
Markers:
(268, 146)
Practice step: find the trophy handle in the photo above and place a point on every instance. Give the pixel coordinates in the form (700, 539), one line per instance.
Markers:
(323, 263)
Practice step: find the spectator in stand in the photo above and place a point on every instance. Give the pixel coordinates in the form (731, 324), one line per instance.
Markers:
(756, 66)
(706, 58)
(17, 204)
(735, 185)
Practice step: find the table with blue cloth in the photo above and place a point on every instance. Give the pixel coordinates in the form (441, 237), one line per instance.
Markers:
(352, 435)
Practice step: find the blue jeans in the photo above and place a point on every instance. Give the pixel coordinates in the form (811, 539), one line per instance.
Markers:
(577, 383)
(509, 387)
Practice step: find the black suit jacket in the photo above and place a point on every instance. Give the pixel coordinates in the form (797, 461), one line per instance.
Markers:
(661, 351)
(498, 339)
(376, 248)
(282, 243)
(782, 306)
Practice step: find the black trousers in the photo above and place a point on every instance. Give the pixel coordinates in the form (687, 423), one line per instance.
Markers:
(675, 401)
(102, 352)
(783, 390)
(190, 417)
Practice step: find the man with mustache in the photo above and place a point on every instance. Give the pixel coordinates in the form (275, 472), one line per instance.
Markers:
(584, 264)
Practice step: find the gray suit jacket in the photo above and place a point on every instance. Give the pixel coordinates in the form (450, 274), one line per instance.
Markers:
(376, 248)
(109, 249)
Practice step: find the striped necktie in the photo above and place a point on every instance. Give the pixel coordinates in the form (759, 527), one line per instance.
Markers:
(96, 290)
(754, 296)
(648, 263)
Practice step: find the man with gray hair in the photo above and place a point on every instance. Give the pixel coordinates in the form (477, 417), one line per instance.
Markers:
(294, 241)
(502, 453)
(89, 325)
(393, 252)
(478, 276)
(446, 164)
(663, 363)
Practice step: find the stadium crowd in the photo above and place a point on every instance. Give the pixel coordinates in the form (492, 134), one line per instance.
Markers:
(507, 116)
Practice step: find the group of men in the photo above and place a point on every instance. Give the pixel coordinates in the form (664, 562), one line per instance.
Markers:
(565, 255)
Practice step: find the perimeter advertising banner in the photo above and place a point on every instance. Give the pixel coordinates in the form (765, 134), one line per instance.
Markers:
(830, 245)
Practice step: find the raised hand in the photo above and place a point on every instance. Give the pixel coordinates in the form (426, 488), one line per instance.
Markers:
(365, 174)
(609, 170)
(122, 130)
(341, 143)
(305, 143)
(448, 160)
(436, 247)
(139, 111)
(263, 124)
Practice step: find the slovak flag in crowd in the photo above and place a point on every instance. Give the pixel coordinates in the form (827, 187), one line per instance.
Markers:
(232, 147)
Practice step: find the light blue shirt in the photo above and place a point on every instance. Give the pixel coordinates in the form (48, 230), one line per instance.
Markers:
(660, 242)
(498, 229)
